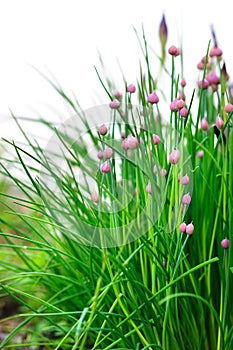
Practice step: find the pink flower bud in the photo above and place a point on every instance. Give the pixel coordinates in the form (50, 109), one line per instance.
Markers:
(186, 199)
(203, 85)
(204, 124)
(179, 104)
(95, 196)
(107, 153)
(183, 82)
(156, 139)
(123, 134)
(185, 180)
(163, 172)
(219, 122)
(105, 168)
(183, 112)
(212, 77)
(148, 188)
(182, 227)
(200, 154)
(155, 169)
(173, 51)
(174, 156)
(173, 105)
(153, 98)
(132, 142)
(225, 243)
(215, 51)
(125, 145)
(228, 108)
(131, 88)
(118, 95)
(100, 155)
(103, 129)
(189, 228)
(179, 177)
(114, 104)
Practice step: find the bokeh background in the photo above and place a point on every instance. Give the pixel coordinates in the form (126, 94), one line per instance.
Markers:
(63, 38)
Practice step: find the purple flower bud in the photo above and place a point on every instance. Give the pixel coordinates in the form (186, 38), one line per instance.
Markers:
(189, 228)
(153, 98)
(163, 32)
(174, 156)
(225, 243)
(186, 199)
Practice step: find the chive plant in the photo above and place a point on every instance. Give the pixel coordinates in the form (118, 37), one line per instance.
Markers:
(121, 235)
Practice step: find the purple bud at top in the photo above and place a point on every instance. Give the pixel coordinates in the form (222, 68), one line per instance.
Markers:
(200, 154)
(148, 188)
(186, 199)
(131, 88)
(182, 227)
(185, 180)
(105, 168)
(174, 156)
(203, 85)
(224, 73)
(225, 243)
(163, 32)
(204, 124)
(183, 112)
(156, 139)
(189, 228)
(153, 98)
(228, 108)
(114, 104)
(103, 130)
(219, 122)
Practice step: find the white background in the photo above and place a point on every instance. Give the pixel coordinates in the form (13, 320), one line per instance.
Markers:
(63, 37)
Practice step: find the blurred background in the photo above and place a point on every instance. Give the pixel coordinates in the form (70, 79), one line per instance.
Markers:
(64, 38)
